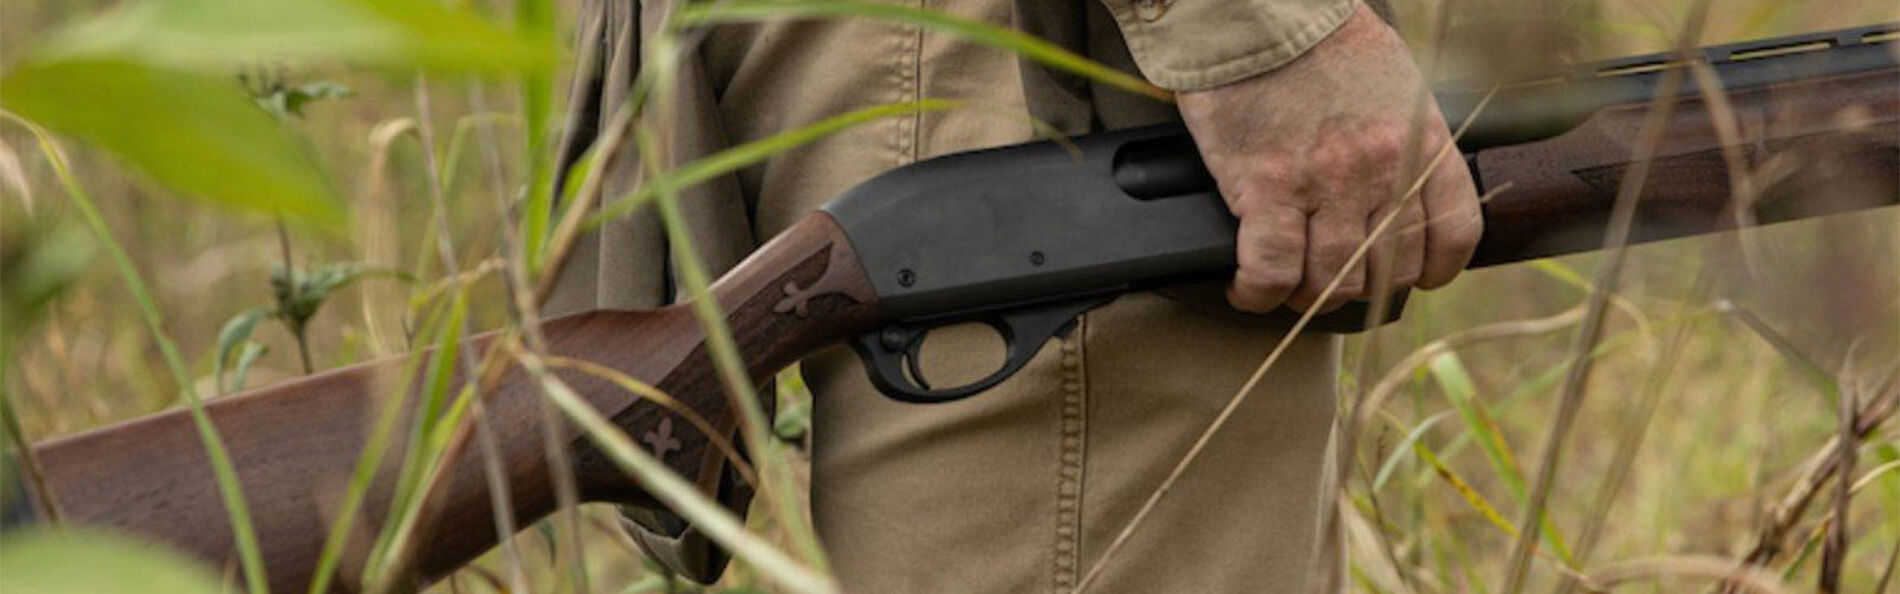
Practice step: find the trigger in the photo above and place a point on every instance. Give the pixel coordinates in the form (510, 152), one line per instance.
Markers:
(913, 358)
(891, 358)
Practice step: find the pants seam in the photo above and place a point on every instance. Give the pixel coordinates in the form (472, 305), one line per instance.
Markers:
(910, 74)
(1072, 450)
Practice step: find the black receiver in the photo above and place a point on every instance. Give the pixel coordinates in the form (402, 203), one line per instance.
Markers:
(1027, 237)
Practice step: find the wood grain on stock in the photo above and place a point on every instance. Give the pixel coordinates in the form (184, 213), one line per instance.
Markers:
(1824, 146)
(295, 444)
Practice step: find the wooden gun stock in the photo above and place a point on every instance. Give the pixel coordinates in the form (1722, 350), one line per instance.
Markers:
(296, 444)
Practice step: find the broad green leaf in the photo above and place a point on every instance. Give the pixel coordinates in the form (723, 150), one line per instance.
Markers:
(196, 133)
(235, 335)
(85, 562)
(434, 35)
(216, 35)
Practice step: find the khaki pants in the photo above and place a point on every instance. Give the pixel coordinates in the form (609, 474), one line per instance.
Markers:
(1022, 488)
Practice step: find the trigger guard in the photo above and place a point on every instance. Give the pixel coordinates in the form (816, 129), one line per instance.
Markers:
(890, 353)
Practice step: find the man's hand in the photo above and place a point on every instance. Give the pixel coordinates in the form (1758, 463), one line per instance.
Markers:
(1310, 157)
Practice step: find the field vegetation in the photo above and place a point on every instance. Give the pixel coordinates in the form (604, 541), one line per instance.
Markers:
(373, 192)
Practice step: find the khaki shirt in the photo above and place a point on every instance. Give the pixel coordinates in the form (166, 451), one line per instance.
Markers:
(1180, 45)
(1187, 45)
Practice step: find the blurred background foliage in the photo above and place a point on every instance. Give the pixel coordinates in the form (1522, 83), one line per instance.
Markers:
(1771, 321)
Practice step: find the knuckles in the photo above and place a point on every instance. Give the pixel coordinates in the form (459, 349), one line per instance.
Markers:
(1351, 288)
(1383, 149)
(1273, 280)
(1462, 236)
(1349, 168)
(1367, 146)
(1334, 247)
(1404, 282)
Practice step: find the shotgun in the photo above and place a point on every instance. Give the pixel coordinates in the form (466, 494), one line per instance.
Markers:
(1022, 238)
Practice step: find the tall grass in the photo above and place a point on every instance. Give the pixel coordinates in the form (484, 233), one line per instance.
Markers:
(1728, 451)
(244, 532)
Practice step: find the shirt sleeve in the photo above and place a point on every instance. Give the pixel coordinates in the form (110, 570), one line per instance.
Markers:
(1190, 45)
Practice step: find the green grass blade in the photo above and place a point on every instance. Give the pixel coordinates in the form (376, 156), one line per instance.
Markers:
(367, 464)
(1470, 494)
(1547, 379)
(244, 533)
(754, 427)
(1391, 463)
(233, 337)
(1813, 372)
(738, 157)
(458, 143)
(1449, 371)
(1571, 278)
(722, 527)
(1010, 40)
(1452, 376)
(535, 20)
(1559, 272)
(442, 360)
(247, 356)
(400, 529)
(420, 458)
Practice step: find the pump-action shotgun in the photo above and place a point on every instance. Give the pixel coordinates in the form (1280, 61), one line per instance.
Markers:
(1023, 238)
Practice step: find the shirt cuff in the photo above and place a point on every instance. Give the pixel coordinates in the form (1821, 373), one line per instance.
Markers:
(1191, 45)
